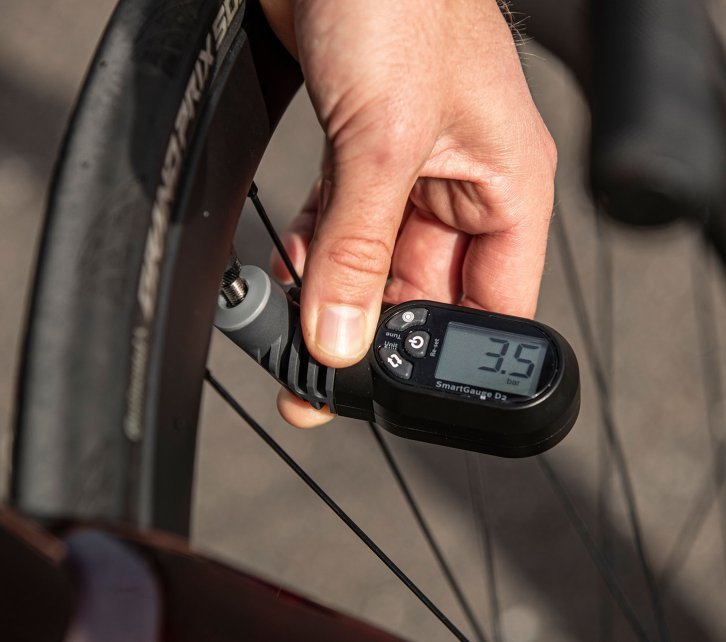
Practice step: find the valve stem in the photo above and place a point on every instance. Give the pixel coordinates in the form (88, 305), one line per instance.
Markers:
(234, 288)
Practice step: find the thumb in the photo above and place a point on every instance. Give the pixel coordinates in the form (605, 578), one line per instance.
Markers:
(349, 259)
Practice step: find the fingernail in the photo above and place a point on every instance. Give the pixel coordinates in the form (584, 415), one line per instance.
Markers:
(293, 246)
(341, 330)
(290, 243)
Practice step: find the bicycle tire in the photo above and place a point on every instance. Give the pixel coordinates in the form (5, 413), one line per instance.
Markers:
(177, 108)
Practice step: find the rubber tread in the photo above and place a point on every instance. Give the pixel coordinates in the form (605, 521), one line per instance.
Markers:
(72, 457)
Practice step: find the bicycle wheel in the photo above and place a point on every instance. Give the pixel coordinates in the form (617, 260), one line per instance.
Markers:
(176, 112)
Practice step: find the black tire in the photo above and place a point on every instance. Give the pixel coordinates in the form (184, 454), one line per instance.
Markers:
(175, 114)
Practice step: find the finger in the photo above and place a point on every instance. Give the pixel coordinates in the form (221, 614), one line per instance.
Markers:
(296, 238)
(280, 15)
(300, 413)
(349, 258)
(502, 271)
(427, 260)
(508, 216)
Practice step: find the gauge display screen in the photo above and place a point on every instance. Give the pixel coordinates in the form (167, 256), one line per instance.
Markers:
(491, 359)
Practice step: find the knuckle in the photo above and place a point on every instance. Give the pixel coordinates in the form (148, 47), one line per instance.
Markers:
(353, 258)
(526, 186)
(503, 192)
(542, 151)
(535, 152)
(550, 150)
(515, 197)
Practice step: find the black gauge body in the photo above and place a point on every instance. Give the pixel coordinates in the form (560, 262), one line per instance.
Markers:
(464, 378)
(440, 373)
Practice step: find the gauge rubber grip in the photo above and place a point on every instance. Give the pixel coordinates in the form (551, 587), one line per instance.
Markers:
(266, 325)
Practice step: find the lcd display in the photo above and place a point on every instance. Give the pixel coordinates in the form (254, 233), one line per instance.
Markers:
(491, 359)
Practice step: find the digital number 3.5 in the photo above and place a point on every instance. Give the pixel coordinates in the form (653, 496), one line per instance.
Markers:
(499, 356)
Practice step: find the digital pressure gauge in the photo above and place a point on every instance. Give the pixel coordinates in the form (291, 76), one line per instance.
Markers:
(439, 373)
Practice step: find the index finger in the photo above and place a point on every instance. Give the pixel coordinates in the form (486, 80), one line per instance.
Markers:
(502, 271)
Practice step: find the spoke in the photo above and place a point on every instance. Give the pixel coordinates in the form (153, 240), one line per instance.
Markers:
(604, 311)
(344, 517)
(711, 490)
(477, 492)
(428, 535)
(608, 421)
(597, 557)
(273, 234)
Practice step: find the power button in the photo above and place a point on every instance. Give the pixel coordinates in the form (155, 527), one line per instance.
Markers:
(416, 343)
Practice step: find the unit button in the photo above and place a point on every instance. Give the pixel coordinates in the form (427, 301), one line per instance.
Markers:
(408, 319)
(395, 363)
(416, 343)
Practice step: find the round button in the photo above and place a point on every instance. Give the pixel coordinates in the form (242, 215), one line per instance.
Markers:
(408, 318)
(417, 343)
(394, 363)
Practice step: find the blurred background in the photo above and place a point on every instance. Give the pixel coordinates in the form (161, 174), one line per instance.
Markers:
(252, 512)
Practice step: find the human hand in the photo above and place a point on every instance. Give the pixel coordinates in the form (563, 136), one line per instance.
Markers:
(438, 175)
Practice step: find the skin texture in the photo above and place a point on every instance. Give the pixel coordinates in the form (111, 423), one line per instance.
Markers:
(438, 174)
